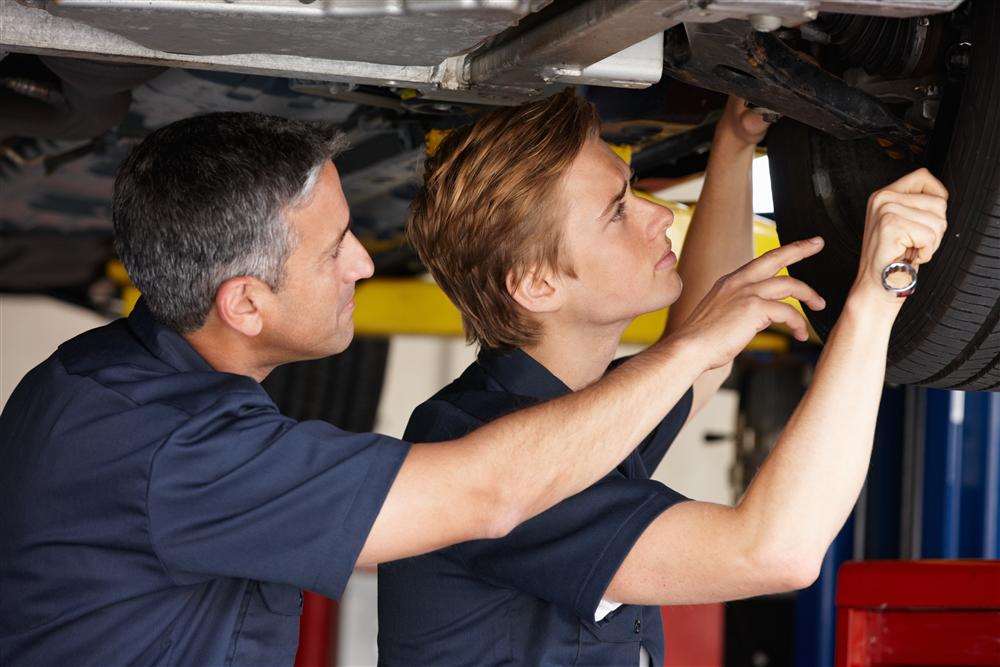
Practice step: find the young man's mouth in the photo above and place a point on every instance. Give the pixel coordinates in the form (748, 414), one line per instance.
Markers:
(668, 260)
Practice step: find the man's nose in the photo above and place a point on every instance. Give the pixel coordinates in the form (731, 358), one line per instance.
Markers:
(362, 266)
(661, 219)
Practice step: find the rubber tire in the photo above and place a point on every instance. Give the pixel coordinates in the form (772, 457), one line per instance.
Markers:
(948, 333)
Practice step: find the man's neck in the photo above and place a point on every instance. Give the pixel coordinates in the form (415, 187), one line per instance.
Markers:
(227, 354)
(577, 355)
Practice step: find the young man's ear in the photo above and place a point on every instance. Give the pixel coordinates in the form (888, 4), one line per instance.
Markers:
(537, 290)
(238, 303)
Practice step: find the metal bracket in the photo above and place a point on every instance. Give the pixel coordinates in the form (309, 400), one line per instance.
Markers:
(731, 58)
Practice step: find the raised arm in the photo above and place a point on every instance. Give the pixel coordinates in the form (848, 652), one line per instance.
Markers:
(776, 537)
(484, 484)
(720, 238)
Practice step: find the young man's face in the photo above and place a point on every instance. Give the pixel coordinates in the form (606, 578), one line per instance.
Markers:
(316, 302)
(616, 243)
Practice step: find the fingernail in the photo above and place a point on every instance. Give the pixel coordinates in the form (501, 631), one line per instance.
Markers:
(816, 239)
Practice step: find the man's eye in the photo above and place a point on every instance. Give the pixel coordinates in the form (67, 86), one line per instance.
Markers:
(619, 213)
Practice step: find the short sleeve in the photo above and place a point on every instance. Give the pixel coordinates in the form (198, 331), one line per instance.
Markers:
(568, 554)
(240, 490)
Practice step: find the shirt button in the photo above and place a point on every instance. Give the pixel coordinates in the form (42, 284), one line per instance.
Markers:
(638, 626)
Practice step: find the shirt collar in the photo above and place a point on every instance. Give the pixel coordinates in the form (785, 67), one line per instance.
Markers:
(519, 373)
(165, 343)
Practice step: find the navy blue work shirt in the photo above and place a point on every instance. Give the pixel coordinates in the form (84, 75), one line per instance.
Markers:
(528, 598)
(154, 511)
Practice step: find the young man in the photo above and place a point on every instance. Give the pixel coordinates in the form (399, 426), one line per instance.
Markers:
(155, 506)
(527, 222)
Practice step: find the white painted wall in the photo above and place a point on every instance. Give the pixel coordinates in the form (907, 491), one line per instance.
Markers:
(31, 328)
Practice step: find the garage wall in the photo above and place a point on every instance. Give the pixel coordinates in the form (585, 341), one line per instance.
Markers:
(31, 328)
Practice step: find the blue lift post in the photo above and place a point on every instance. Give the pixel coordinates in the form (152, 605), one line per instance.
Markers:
(961, 480)
(933, 491)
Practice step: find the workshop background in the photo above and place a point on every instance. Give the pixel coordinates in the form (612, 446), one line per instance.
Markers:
(866, 90)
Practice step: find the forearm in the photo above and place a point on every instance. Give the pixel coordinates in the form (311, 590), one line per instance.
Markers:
(807, 487)
(487, 482)
(556, 449)
(720, 238)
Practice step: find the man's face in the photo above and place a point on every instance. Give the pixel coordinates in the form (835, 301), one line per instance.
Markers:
(315, 305)
(616, 243)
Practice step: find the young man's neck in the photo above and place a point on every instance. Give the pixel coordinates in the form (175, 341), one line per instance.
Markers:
(577, 355)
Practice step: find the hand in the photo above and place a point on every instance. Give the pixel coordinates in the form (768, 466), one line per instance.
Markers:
(742, 123)
(905, 218)
(746, 302)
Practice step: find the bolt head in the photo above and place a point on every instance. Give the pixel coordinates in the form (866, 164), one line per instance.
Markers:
(765, 22)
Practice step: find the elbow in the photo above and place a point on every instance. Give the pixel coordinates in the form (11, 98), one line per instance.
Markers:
(785, 570)
(803, 573)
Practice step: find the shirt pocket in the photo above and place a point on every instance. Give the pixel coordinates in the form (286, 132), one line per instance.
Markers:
(269, 630)
(612, 641)
(281, 598)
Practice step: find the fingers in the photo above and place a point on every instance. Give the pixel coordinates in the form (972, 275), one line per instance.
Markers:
(916, 224)
(770, 263)
(904, 234)
(930, 203)
(782, 287)
(919, 181)
(781, 313)
(936, 223)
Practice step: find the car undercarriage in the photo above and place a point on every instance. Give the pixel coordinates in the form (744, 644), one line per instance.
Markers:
(866, 90)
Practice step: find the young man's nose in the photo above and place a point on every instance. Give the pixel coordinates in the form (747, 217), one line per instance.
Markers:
(660, 220)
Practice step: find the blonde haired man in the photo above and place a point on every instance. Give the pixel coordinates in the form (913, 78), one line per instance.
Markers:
(528, 223)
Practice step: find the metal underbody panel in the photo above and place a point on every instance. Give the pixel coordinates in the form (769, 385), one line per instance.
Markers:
(467, 50)
(384, 32)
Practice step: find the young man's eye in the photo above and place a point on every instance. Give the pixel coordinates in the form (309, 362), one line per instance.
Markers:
(619, 213)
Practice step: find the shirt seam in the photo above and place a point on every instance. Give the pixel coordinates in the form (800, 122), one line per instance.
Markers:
(149, 479)
(149, 469)
(169, 404)
(317, 567)
(607, 545)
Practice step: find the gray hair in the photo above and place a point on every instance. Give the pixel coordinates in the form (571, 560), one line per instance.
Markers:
(202, 200)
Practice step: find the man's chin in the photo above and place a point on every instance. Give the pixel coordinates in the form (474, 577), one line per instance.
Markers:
(345, 334)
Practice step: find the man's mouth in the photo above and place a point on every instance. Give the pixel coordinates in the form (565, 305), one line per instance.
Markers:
(668, 260)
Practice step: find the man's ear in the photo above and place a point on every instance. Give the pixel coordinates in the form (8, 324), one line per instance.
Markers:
(238, 303)
(538, 290)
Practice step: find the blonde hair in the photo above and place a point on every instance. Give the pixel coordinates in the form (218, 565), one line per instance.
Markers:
(490, 207)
